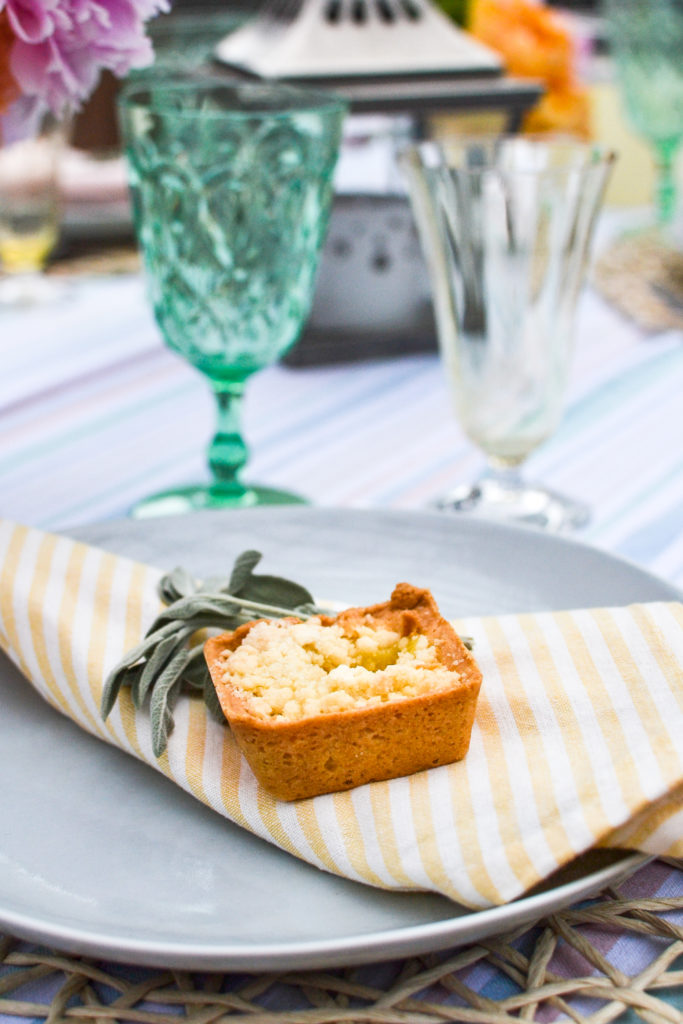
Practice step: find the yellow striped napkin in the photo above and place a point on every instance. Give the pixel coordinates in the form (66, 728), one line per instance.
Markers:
(577, 741)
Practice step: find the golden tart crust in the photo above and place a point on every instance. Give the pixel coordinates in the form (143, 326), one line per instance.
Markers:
(338, 750)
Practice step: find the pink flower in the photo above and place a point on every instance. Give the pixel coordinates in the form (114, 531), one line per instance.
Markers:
(60, 46)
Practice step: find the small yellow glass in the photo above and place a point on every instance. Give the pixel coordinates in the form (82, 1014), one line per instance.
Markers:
(29, 213)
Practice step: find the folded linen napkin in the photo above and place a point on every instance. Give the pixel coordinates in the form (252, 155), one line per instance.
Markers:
(576, 743)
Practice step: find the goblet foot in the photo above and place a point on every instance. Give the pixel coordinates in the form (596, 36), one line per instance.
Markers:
(30, 290)
(493, 497)
(191, 499)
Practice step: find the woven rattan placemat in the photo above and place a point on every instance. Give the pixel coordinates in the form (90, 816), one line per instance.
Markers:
(558, 969)
(642, 276)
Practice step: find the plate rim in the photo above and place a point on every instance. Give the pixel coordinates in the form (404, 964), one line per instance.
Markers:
(434, 515)
(376, 947)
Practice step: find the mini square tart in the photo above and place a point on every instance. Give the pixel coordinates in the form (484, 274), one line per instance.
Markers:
(296, 752)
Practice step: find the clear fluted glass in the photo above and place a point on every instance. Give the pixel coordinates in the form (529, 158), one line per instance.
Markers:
(231, 187)
(506, 225)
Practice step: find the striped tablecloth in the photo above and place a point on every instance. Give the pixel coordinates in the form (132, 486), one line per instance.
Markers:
(95, 413)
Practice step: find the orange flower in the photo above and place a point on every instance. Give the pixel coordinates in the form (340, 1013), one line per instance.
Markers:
(532, 39)
(565, 110)
(534, 42)
(8, 87)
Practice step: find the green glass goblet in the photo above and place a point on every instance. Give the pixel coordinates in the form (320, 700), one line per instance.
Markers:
(646, 42)
(231, 189)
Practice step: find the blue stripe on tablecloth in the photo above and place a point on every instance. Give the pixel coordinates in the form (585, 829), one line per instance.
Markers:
(604, 398)
(363, 439)
(74, 336)
(656, 533)
(102, 422)
(56, 394)
(311, 426)
(56, 461)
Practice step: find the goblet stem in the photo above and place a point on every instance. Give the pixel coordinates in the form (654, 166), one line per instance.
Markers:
(666, 188)
(228, 451)
(227, 456)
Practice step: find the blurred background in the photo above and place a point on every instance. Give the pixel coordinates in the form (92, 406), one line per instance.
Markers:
(557, 76)
(188, 33)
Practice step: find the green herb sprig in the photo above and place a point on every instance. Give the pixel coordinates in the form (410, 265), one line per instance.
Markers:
(166, 661)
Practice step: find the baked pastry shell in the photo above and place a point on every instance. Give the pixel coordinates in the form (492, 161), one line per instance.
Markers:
(337, 751)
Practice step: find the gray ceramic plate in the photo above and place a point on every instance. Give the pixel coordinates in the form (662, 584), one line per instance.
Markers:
(101, 855)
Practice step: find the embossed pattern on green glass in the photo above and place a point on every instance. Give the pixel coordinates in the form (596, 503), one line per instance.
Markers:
(231, 189)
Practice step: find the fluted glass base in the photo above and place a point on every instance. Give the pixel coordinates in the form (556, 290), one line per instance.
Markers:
(509, 498)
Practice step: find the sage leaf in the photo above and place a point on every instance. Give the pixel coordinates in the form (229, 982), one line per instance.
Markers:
(161, 711)
(211, 699)
(273, 590)
(176, 584)
(167, 686)
(167, 660)
(194, 677)
(124, 675)
(155, 668)
(199, 605)
(242, 570)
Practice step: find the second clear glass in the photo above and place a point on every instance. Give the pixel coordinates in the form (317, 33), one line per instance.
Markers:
(506, 226)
